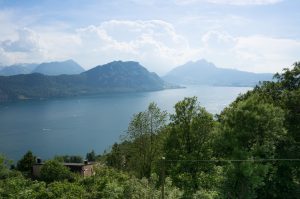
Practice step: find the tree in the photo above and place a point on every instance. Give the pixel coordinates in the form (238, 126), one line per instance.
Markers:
(119, 156)
(91, 156)
(26, 163)
(4, 165)
(283, 92)
(21, 187)
(249, 130)
(143, 132)
(69, 159)
(53, 170)
(112, 183)
(65, 190)
(189, 139)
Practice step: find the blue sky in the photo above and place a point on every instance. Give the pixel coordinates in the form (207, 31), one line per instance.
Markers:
(251, 35)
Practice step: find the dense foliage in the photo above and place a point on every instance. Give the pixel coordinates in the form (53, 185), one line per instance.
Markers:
(26, 163)
(68, 158)
(53, 170)
(250, 150)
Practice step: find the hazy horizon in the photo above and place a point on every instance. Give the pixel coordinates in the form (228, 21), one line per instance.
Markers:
(248, 35)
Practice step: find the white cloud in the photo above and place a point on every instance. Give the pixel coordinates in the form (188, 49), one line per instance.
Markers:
(30, 46)
(231, 2)
(156, 44)
(28, 41)
(4, 58)
(256, 53)
(218, 40)
(24, 48)
(267, 53)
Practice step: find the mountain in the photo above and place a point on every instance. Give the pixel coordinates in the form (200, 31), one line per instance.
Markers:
(17, 69)
(123, 75)
(68, 67)
(117, 76)
(205, 73)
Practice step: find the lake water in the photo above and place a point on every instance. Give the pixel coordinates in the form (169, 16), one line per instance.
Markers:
(75, 126)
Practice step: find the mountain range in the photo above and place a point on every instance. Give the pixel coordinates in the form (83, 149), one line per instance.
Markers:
(203, 72)
(117, 76)
(68, 67)
(17, 69)
(60, 79)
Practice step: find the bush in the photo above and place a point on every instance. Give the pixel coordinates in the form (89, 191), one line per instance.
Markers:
(54, 171)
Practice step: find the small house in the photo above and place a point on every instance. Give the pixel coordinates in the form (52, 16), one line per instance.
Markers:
(84, 169)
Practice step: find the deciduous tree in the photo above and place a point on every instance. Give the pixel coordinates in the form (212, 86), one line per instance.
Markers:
(189, 140)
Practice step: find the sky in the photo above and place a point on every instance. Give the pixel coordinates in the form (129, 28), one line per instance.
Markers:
(249, 35)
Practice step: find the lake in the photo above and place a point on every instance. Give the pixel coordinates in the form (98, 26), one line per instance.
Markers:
(75, 126)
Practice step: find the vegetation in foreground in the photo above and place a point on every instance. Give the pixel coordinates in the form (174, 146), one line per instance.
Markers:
(250, 150)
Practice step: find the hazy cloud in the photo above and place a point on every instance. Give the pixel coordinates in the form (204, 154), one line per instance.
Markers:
(218, 40)
(157, 44)
(266, 53)
(27, 41)
(252, 53)
(154, 43)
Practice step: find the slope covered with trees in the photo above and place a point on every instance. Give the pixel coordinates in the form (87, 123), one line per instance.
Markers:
(116, 76)
(250, 150)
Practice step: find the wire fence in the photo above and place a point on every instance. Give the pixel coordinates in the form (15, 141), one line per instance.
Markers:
(232, 160)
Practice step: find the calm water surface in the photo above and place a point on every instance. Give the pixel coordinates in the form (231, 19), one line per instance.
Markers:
(75, 126)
